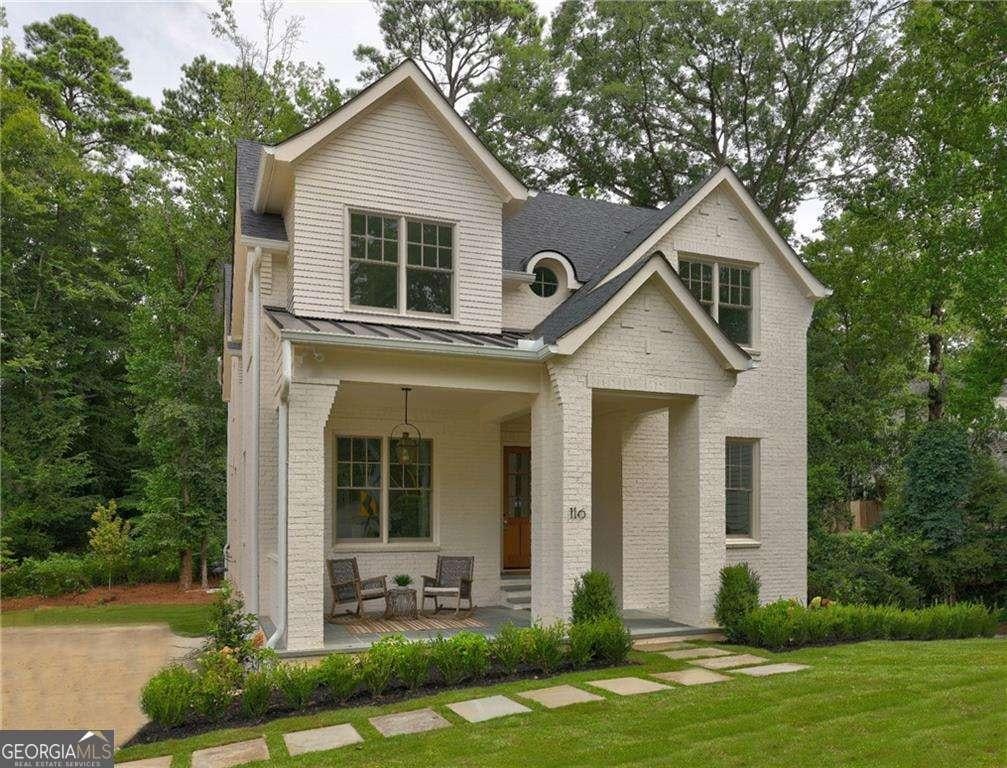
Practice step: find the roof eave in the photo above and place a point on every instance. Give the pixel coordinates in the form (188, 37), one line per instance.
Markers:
(530, 354)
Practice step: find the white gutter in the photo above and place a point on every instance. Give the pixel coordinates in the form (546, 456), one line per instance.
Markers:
(253, 586)
(281, 500)
(526, 351)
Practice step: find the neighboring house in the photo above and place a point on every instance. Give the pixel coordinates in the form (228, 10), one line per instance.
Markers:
(596, 385)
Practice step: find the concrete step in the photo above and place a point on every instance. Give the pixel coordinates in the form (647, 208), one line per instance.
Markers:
(523, 599)
(516, 586)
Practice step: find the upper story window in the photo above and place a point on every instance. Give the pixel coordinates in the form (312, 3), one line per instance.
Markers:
(546, 283)
(374, 261)
(428, 272)
(725, 292)
(413, 274)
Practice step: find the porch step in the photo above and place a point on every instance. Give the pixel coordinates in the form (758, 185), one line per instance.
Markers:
(516, 588)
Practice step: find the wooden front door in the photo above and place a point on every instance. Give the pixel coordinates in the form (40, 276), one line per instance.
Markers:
(517, 507)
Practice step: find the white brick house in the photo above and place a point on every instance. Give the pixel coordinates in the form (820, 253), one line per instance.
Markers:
(597, 386)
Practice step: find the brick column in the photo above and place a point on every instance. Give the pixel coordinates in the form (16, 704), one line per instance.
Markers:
(695, 511)
(309, 406)
(561, 491)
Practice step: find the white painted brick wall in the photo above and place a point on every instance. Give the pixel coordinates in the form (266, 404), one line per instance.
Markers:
(647, 338)
(308, 409)
(466, 496)
(645, 511)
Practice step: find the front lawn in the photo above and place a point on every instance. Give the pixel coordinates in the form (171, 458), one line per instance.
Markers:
(868, 704)
(190, 620)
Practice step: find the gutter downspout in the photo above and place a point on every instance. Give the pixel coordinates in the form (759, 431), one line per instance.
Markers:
(281, 501)
(253, 585)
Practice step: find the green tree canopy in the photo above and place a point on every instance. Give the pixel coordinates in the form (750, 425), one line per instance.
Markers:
(638, 100)
(458, 43)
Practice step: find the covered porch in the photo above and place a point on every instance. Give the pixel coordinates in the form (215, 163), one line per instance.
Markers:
(609, 478)
(354, 635)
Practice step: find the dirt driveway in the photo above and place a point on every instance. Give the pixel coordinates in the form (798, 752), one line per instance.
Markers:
(82, 676)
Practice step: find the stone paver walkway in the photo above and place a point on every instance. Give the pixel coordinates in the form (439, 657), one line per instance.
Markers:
(559, 696)
(317, 739)
(629, 686)
(704, 660)
(692, 677)
(729, 662)
(655, 644)
(487, 708)
(696, 653)
(227, 755)
(415, 721)
(772, 669)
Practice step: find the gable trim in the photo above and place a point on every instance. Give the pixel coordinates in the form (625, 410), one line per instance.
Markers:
(406, 73)
(730, 355)
(813, 288)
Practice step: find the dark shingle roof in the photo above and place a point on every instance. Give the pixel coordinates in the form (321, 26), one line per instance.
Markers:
(585, 231)
(582, 304)
(587, 300)
(265, 225)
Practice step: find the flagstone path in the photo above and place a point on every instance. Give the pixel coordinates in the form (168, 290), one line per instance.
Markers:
(703, 660)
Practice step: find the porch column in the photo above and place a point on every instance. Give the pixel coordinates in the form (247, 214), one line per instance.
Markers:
(309, 407)
(695, 510)
(561, 491)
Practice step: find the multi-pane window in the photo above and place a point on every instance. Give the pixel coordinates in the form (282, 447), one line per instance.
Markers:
(725, 292)
(429, 253)
(411, 276)
(409, 492)
(734, 312)
(358, 487)
(546, 283)
(374, 260)
(698, 278)
(370, 479)
(740, 487)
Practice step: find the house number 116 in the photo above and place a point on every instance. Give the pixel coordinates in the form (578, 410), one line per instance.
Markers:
(577, 514)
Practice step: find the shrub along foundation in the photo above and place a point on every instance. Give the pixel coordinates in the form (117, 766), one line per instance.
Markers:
(321, 699)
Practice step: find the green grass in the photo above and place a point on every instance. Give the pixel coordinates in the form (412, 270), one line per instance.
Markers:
(189, 620)
(869, 704)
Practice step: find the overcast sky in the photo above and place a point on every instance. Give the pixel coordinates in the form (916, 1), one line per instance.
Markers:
(159, 37)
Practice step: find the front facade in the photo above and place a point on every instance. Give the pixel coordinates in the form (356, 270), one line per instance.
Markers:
(595, 385)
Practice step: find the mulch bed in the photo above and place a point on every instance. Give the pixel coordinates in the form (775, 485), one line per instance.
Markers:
(152, 732)
(136, 594)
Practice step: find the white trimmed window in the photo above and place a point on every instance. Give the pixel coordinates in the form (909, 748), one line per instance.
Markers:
(377, 499)
(414, 274)
(740, 471)
(725, 291)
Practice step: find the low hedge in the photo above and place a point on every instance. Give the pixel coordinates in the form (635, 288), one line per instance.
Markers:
(176, 697)
(787, 624)
(61, 574)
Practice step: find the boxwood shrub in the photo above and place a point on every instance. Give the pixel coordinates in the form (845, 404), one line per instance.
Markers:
(787, 624)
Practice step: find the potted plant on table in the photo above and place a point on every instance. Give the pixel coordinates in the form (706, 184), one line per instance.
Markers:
(401, 599)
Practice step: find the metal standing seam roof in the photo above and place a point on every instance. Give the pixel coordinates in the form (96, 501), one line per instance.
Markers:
(287, 321)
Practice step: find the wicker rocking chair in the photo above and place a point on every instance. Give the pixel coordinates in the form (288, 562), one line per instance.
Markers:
(347, 587)
(454, 579)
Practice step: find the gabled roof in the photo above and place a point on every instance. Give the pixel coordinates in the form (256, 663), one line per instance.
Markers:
(599, 304)
(638, 243)
(267, 226)
(634, 251)
(405, 75)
